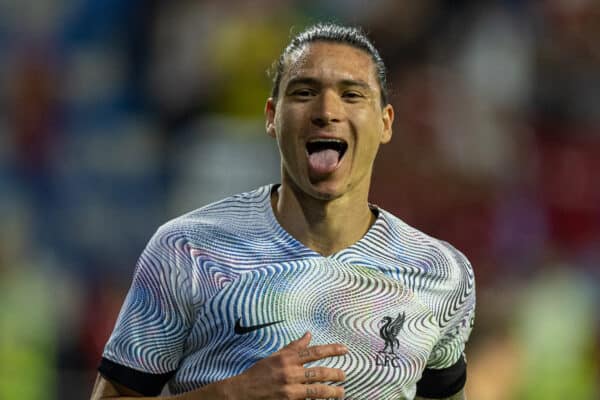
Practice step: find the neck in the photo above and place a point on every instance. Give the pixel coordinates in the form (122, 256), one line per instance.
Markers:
(325, 226)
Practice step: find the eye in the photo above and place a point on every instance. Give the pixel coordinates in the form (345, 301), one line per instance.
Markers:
(352, 95)
(303, 93)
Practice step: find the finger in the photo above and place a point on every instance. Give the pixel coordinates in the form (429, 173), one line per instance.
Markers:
(314, 353)
(321, 374)
(300, 343)
(317, 391)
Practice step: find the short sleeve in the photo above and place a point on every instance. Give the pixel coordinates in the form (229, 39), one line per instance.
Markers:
(157, 314)
(445, 373)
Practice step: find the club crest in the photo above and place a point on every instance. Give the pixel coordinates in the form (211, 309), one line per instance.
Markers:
(389, 329)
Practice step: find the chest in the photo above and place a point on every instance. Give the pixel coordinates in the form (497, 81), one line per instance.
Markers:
(388, 331)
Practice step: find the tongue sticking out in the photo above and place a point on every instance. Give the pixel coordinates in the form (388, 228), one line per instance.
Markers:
(324, 161)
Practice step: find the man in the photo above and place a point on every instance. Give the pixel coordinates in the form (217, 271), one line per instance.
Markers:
(226, 300)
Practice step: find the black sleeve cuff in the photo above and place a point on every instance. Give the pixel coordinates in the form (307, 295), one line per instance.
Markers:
(441, 383)
(142, 382)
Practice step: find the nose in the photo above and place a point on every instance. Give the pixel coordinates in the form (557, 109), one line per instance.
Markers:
(327, 109)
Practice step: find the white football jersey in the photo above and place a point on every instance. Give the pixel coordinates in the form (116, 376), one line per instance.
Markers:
(224, 286)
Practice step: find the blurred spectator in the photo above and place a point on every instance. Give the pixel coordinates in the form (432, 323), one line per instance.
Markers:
(556, 330)
(38, 305)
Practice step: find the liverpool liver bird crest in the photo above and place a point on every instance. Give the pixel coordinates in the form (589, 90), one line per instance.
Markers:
(389, 331)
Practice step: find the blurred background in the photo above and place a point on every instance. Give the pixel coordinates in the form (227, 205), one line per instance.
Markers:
(116, 116)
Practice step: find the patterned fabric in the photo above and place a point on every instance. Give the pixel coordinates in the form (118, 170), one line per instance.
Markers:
(400, 300)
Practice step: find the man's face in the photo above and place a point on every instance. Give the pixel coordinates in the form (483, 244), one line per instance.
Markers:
(328, 120)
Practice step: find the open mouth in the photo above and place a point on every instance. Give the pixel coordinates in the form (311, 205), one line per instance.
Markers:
(320, 145)
(325, 155)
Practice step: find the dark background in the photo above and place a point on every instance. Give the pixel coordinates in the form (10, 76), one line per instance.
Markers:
(116, 116)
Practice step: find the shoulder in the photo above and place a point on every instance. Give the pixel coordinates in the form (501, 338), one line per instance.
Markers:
(243, 211)
(431, 255)
(442, 278)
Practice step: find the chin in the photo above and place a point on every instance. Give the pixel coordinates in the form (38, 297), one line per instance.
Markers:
(326, 190)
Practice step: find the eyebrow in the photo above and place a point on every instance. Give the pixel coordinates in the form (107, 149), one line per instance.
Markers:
(354, 82)
(315, 81)
(303, 81)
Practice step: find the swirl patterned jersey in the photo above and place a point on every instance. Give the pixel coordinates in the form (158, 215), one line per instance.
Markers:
(224, 286)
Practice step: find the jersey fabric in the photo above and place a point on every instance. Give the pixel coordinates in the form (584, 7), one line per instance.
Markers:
(222, 287)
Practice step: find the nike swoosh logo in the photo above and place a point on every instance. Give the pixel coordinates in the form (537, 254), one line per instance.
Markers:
(241, 330)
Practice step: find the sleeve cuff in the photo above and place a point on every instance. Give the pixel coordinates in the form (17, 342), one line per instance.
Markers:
(142, 382)
(441, 383)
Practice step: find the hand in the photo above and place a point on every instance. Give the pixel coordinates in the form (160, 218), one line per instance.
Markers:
(282, 375)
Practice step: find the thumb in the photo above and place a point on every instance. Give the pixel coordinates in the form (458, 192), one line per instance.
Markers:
(300, 343)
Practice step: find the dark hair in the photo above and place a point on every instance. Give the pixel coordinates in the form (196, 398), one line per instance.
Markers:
(329, 32)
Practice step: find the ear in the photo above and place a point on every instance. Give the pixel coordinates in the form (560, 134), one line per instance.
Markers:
(387, 119)
(270, 117)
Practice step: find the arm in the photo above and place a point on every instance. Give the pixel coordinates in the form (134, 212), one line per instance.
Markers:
(446, 372)
(458, 396)
(281, 375)
(106, 389)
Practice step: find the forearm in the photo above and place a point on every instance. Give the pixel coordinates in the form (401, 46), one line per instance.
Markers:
(280, 375)
(105, 389)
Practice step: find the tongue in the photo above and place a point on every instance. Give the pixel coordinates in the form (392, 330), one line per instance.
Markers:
(324, 161)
